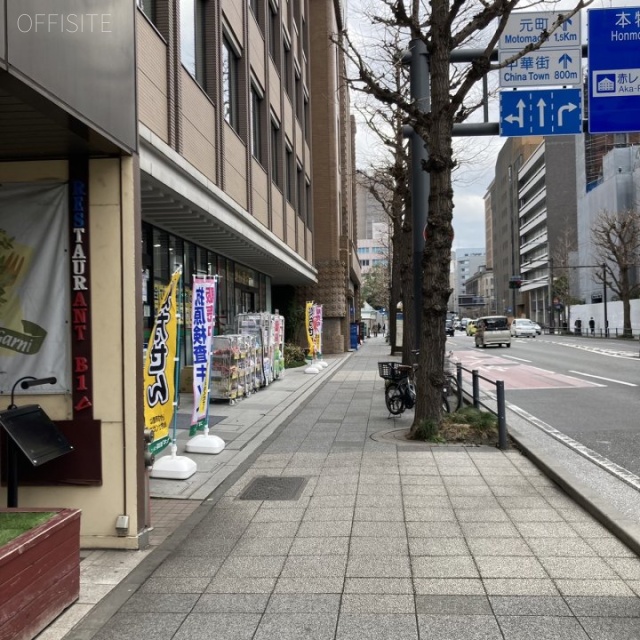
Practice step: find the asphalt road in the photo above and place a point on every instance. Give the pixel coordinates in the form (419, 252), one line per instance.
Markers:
(589, 389)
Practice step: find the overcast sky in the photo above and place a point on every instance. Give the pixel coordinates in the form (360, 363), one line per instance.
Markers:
(473, 178)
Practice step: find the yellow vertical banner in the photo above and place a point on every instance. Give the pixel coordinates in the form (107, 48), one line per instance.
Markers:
(308, 321)
(160, 367)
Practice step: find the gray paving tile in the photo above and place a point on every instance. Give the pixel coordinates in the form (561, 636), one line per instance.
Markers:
(174, 585)
(320, 546)
(479, 490)
(610, 548)
(232, 584)
(627, 568)
(546, 530)
(541, 628)
(481, 515)
(438, 546)
(320, 529)
(125, 626)
(379, 529)
(377, 603)
(593, 588)
(415, 514)
(510, 567)
(309, 585)
(378, 566)
(378, 546)
(489, 530)
(448, 586)
(433, 530)
(561, 547)
(325, 566)
(611, 628)
(578, 568)
(271, 530)
(377, 627)
(262, 547)
(332, 501)
(373, 500)
(304, 603)
(232, 603)
(591, 529)
(520, 587)
(523, 502)
(377, 514)
(459, 627)
(297, 626)
(529, 606)
(218, 626)
(332, 514)
(453, 605)
(424, 485)
(444, 567)
(185, 567)
(534, 515)
(381, 586)
(279, 515)
(160, 603)
(605, 607)
(252, 567)
(428, 502)
(498, 547)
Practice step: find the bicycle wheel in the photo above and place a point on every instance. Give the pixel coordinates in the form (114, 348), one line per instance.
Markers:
(394, 399)
(454, 396)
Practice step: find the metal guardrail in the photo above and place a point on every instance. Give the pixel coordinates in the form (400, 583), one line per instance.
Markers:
(499, 409)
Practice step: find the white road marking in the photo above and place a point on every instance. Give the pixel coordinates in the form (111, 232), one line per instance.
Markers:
(514, 358)
(580, 373)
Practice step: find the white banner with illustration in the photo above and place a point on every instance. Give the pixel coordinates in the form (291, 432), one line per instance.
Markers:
(202, 323)
(34, 285)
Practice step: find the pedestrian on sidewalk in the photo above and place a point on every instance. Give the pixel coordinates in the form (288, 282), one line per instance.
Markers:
(592, 326)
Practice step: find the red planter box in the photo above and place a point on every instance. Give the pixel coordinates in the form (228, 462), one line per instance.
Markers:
(39, 574)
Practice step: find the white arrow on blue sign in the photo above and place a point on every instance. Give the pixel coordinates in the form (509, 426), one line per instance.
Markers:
(541, 113)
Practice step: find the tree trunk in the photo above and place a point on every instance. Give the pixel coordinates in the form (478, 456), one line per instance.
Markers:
(437, 253)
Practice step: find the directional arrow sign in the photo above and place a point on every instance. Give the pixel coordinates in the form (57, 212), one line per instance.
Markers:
(526, 27)
(541, 113)
(542, 68)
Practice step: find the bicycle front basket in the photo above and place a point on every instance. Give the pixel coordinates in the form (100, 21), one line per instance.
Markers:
(391, 371)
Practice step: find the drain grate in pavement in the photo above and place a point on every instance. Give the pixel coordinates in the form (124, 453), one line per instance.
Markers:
(274, 488)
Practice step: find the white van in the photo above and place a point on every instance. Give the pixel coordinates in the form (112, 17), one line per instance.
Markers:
(492, 330)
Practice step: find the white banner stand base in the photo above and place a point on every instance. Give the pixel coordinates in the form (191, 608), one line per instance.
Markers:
(312, 369)
(323, 364)
(173, 467)
(205, 443)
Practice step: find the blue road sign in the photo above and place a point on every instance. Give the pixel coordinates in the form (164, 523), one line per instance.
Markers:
(614, 70)
(552, 112)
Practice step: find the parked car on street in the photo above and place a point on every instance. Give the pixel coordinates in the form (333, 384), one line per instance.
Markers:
(449, 328)
(523, 328)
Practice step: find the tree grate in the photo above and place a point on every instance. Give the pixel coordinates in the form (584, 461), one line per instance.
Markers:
(274, 488)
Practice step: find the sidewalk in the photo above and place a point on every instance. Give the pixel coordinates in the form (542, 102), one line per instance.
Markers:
(328, 525)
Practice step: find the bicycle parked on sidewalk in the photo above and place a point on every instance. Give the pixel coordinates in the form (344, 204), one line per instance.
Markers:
(400, 388)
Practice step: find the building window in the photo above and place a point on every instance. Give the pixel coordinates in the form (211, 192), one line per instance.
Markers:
(297, 96)
(192, 37)
(230, 65)
(300, 202)
(275, 152)
(309, 204)
(148, 8)
(287, 71)
(274, 35)
(290, 186)
(307, 118)
(257, 109)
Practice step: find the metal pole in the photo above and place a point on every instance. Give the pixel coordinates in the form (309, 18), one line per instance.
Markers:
(12, 473)
(476, 388)
(502, 415)
(604, 299)
(459, 381)
(421, 94)
(551, 314)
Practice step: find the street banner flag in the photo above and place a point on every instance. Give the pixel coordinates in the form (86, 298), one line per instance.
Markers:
(160, 367)
(202, 323)
(317, 329)
(308, 321)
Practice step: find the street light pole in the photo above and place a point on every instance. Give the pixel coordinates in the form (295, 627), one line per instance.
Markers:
(551, 311)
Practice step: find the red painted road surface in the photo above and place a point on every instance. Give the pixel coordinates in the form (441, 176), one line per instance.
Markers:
(516, 375)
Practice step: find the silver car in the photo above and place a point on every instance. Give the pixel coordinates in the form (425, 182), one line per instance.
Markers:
(523, 328)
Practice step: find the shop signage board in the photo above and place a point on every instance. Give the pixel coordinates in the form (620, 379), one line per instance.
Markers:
(614, 70)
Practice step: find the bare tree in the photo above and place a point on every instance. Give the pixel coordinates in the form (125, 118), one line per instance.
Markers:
(616, 241)
(442, 25)
(562, 287)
